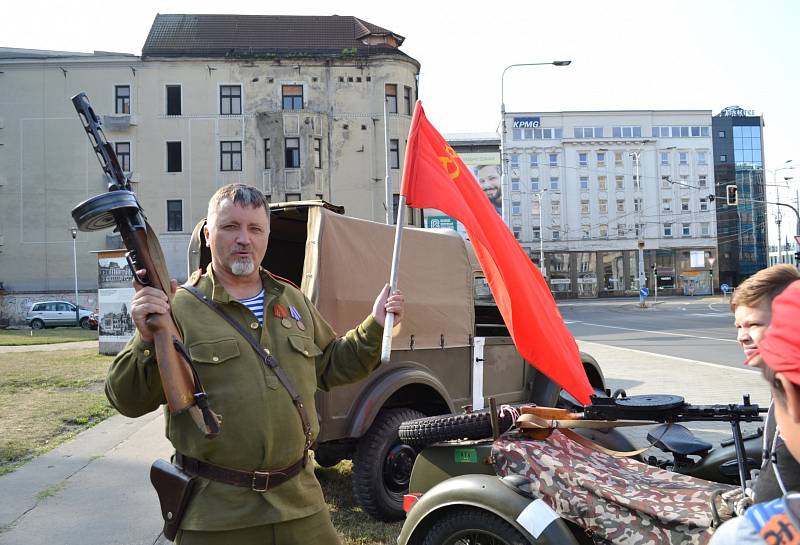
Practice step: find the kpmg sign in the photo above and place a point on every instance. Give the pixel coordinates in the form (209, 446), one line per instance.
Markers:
(526, 122)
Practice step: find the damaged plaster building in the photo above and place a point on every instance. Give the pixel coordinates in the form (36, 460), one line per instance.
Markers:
(293, 105)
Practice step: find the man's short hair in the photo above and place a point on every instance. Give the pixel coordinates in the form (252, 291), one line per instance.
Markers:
(240, 195)
(764, 286)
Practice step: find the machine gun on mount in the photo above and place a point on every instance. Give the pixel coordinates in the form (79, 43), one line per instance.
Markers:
(621, 410)
(119, 207)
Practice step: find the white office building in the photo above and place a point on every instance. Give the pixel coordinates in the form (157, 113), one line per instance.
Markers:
(589, 189)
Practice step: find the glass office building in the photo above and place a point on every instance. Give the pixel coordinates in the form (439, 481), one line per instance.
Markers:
(739, 160)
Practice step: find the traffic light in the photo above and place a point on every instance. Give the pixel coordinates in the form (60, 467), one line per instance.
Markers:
(797, 257)
(731, 194)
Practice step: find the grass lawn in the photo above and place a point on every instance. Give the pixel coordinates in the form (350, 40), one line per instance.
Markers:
(48, 397)
(18, 337)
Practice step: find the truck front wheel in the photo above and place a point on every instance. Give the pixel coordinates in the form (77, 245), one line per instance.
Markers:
(382, 465)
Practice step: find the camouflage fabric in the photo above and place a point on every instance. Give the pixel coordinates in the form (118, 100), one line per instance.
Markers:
(621, 500)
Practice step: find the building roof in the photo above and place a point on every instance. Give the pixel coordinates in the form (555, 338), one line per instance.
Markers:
(242, 36)
(8, 53)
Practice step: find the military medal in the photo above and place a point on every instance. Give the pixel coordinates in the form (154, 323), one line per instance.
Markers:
(299, 319)
(280, 312)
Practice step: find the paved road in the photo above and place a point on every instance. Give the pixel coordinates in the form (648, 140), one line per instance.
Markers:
(681, 327)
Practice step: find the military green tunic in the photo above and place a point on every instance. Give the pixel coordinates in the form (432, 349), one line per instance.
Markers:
(261, 428)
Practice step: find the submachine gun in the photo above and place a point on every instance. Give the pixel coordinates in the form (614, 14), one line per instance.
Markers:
(119, 207)
(672, 408)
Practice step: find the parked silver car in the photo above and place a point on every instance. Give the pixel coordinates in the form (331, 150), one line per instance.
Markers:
(56, 313)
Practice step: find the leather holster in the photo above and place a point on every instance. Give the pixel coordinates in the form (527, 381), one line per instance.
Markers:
(174, 488)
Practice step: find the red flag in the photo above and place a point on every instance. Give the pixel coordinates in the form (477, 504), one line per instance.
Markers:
(435, 177)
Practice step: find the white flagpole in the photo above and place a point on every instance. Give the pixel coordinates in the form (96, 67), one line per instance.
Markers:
(386, 346)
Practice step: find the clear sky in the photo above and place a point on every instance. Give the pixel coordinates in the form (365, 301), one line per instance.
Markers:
(683, 54)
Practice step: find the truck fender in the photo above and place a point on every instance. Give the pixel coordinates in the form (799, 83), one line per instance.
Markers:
(484, 492)
(376, 394)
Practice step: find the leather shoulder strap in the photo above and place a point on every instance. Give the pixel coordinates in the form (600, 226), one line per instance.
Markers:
(268, 359)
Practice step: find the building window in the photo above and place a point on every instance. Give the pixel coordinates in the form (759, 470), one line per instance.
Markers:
(230, 100)
(620, 205)
(637, 205)
(122, 99)
(230, 156)
(535, 185)
(267, 154)
(667, 229)
(516, 209)
(585, 229)
(620, 182)
(602, 184)
(703, 205)
(684, 205)
(394, 153)
(554, 183)
(553, 157)
(391, 96)
(601, 159)
(318, 153)
(666, 205)
(291, 197)
(588, 132)
(537, 233)
(123, 151)
(536, 207)
(584, 182)
(174, 215)
(636, 182)
(618, 159)
(516, 230)
(683, 157)
(534, 160)
(701, 158)
(583, 159)
(638, 229)
(621, 230)
(514, 160)
(721, 134)
(556, 234)
(292, 97)
(174, 159)
(664, 158)
(686, 229)
(516, 134)
(704, 231)
(555, 208)
(702, 180)
(173, 100)
(292, 153)
(603, 204)
(723, 158)
(514, 184)
(626, 132)
(407, 99)
(585, 207)
(603, 230)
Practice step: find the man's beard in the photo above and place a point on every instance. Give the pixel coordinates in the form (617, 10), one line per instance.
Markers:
(242, 266)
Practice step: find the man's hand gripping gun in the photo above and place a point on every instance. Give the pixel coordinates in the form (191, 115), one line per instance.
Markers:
(120, 208)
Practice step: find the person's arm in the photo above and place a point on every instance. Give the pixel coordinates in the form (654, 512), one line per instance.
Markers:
(354, 355)
(133, 384)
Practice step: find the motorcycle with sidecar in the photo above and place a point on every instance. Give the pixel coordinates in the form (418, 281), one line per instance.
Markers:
(546, 481)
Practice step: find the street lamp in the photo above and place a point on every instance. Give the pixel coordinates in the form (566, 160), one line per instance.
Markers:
(778, 215)
(74, 232)
(503, 168)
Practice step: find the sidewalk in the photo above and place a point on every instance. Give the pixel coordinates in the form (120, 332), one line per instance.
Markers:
(95, 490)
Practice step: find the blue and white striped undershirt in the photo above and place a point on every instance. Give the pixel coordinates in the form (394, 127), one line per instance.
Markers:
(256, 305)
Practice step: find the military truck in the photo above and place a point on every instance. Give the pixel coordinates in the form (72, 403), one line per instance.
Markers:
(450, 351)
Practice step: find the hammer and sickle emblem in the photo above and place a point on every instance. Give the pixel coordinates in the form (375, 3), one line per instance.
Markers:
(448, 161)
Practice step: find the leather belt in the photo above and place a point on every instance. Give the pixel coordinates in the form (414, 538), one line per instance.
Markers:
(257, 481)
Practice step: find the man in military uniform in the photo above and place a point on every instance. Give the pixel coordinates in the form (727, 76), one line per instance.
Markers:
(262, 428)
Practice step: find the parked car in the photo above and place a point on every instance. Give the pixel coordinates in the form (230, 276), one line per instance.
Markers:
(56, 313)
(451, 349)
